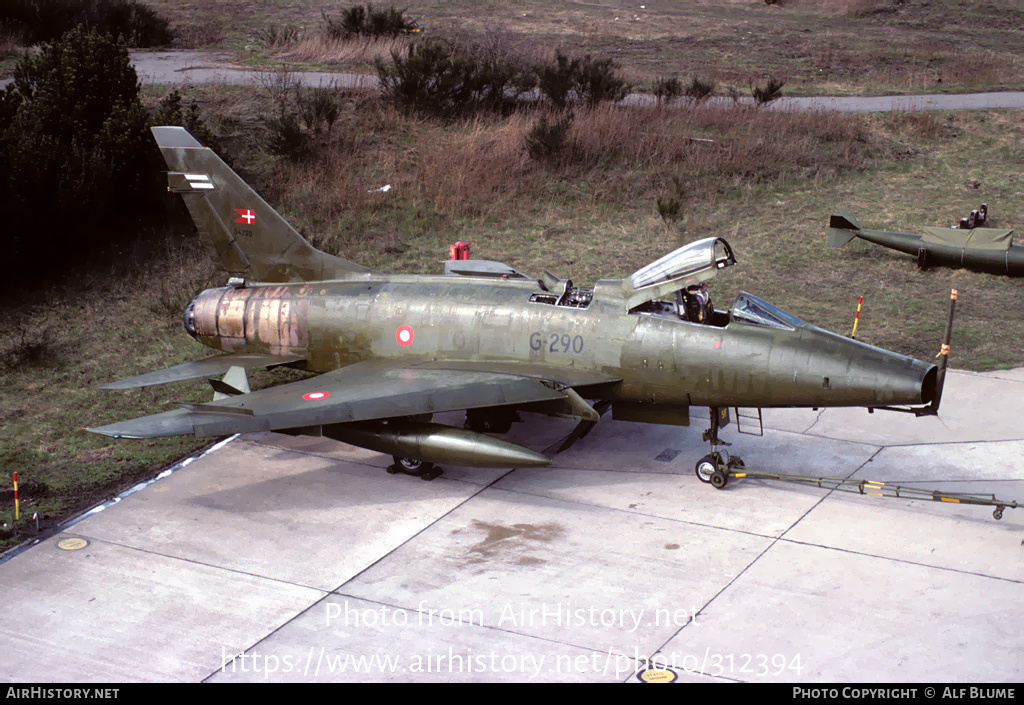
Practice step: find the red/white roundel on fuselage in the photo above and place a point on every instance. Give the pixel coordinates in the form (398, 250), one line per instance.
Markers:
(404, 336)
(316, 396)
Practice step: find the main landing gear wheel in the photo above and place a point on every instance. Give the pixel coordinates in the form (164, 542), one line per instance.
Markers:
(417, 468)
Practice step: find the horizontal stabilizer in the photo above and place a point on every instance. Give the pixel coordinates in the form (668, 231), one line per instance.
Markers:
(842, 227)
(210, 367)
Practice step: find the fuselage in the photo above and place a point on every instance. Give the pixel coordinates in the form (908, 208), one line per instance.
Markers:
(469, 321)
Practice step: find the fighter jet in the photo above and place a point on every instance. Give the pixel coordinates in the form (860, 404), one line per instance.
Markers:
(484, 338)
(984, 249)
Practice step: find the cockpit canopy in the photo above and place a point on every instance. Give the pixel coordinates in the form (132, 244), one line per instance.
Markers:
(750, 309)
(688, 262)
(691, 264)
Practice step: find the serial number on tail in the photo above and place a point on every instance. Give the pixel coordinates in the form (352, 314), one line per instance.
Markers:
(556, 343)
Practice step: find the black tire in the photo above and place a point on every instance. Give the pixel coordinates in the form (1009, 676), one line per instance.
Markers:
(412, 466)
(705, 468)
(735, 463)
(719, 480)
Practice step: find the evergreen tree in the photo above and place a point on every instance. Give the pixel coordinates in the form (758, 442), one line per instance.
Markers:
(75, 146)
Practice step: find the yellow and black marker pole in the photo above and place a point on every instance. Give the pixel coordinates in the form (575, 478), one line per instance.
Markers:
(16, 507)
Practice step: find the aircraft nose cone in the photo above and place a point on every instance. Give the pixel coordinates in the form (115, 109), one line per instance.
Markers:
(825, 369)
(893, 379)
(873, 376)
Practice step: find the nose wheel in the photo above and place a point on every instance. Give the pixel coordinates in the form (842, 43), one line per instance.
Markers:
(716, 467)
(712, 470)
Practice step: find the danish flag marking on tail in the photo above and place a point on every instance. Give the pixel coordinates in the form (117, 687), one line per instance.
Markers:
(246, 216)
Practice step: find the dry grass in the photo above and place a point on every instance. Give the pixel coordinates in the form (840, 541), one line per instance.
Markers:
(199, 35)
(318, 49)
(614, 160)
(974, 45)
(912, 67)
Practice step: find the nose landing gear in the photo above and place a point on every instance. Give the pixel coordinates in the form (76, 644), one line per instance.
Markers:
(714, 468)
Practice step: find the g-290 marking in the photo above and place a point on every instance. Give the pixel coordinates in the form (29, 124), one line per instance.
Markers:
(559, 343)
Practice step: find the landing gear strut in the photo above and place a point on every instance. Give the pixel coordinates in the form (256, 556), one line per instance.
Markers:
(714, 467)
(417, 468)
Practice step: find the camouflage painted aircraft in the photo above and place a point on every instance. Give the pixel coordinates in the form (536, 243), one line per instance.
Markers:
(485, 339)
(984, 249)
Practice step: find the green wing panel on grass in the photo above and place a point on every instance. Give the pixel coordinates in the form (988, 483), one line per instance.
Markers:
(365, 391)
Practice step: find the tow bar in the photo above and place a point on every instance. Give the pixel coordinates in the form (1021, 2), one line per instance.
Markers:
(730, 470)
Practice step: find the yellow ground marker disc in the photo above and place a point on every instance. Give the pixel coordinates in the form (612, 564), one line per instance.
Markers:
(72, 544)
(657, 675)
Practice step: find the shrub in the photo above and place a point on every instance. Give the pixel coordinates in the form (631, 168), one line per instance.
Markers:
(170, 112)
(319, 108)
(557, 81)
(598, 82)
(75, 139)
(545, 141)
(670, 205)
(449, 80)
(586, 80)
(367, 22)
(285, 136)
(667, 89)
(699, 90)
(275, 36)
(771, 90)
(46, 20)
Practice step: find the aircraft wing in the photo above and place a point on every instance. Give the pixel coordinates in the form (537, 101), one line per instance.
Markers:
(210, 367)
(364, 391)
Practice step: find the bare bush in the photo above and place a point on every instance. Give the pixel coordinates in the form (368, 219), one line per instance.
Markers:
(667, 90)
(698, 90)
(768, 92)
(24, 345)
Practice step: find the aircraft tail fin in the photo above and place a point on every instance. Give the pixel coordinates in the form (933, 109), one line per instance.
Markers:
(842, 227)
(249, 237)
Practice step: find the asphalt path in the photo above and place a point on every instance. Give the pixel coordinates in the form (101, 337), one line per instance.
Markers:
(219, 67)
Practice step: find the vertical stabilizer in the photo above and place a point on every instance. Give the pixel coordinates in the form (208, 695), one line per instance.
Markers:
(249, 237)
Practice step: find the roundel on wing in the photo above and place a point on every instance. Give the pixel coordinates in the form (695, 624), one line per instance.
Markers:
(404, 336)
(316, 396)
